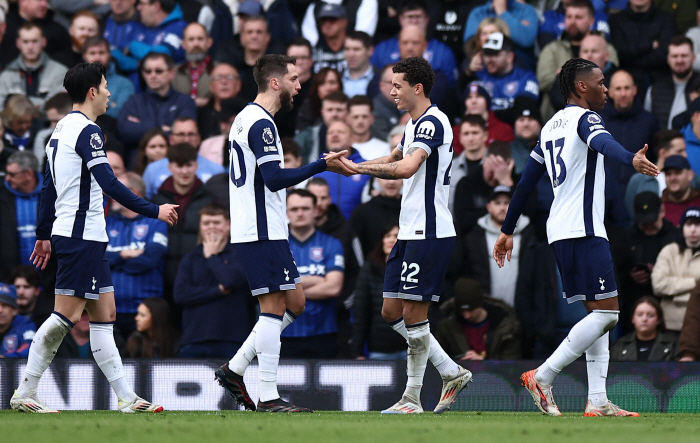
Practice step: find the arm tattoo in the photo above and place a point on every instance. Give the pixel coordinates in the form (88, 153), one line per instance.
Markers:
(385, 171)
(413, 149)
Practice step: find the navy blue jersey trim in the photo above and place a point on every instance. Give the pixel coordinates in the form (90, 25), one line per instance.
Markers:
(84, 205)
(431, 177)
(260, 210)
(589, 190)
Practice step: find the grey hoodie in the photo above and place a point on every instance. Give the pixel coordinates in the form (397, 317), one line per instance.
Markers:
(503, 280)
(50, 80)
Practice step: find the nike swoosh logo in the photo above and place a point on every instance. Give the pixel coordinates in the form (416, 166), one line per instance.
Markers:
(409, 287)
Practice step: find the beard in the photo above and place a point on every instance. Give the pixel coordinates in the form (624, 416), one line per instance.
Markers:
(286, 100)
(683, 74)
(195, 57)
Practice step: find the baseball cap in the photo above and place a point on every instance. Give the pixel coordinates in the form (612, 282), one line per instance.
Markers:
(676, 162)
(249, 7)
(480, 89)
(8, 294)
(646, 207)
(497, 42)
(329, 10)
(468, 294)
(523, 106)
(692, 212)
(501, 189)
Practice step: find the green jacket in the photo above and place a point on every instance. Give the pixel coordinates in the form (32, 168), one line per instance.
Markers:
(503, 338)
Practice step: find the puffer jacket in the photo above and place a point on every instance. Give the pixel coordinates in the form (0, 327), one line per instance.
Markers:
(675, 274)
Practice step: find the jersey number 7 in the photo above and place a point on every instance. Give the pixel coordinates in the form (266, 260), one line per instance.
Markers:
(558, 145)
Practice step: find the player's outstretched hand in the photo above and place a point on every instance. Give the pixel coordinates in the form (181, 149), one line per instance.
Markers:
(642, 164)
(168, 214)
(335, 163)
(503, 249)
(41, 253)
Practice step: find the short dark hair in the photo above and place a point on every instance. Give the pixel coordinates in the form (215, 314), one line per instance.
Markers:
(302, 193)
(336, 97)
(26, 26)
(80, 78)
(291, 147)
(475, 120)
(27, 272)
(166, 5)
(60, 102)
(501, 148)
(680, 40)
(157, 55)
(317, 181)
(96, 40)
(215, 209)
(301, 41)
(585, 4)
(664, 137)
(416, 70)
(362, 37)
(182, 153)
(412, 5)
(270, 66)
(361, 100)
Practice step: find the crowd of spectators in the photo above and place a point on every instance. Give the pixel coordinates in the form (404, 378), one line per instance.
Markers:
(179, 71)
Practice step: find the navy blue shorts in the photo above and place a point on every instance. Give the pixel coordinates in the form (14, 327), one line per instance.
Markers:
(268, 266)
(83, 270)
(416, 269)
(586, 268)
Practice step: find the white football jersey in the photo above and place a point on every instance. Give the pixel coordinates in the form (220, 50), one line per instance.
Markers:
(576, 172)
(424, 211)
(256, 212)
(75, 146)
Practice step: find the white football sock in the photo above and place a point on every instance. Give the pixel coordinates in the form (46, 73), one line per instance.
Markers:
(106, 354)
(240, 362)
(287, 320)
(42, 351)
(437, 356)
(580, 338)
(597, 359)
(418, 350)
(267, 345)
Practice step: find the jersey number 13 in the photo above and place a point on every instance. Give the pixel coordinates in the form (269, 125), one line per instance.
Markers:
(558, 166)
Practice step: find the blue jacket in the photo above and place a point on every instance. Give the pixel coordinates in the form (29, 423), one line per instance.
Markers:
(26, 210)
(17, 339)
(505, 88)
(692, 147)
(121, 89)
(156, 173)
(207, 314)
(153, 111)
(552, 24)
(346, 192)
(119, 35)
(438, 54)
(522, 21)
(141, 277)
(318, 255)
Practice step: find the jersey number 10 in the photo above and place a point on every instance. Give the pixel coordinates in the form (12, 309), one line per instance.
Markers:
(558, 177)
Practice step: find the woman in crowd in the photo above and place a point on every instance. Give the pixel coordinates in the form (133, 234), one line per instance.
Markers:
(155, 336)
(383, 343)
(323, 83)
(153, 146)
(19, 118)
(649, 341)
(472, 48)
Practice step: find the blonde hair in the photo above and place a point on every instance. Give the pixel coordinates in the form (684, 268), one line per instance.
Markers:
(18, 106)
(473, 44)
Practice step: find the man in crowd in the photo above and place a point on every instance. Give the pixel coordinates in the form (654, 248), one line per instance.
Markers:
(385, 207)
(158, 106)
(286, 119)
(360, 72)
(500, 74)
(360, 119)
(118, 30)
(136, 256)
(473, 137)
(33, 73)
(678, 195)
(16, 331)
(38, 12)
(184, 131)
(224, 83)
(669, 95)
(321, 265)
(96, 49)
(25, 279)
(328, 52)
(334, 107)
(386, 115)
(192, 76)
